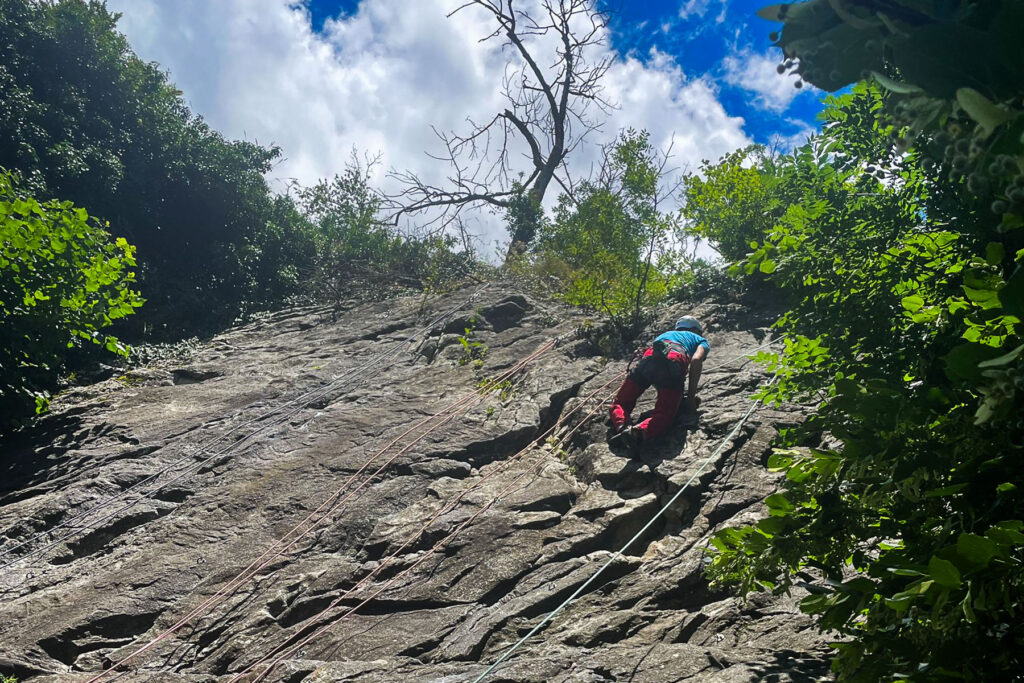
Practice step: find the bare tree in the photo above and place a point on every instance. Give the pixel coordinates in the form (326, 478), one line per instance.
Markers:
(548, 114)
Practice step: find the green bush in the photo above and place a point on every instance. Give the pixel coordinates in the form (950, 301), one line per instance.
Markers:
(62, 281)
(357, 250)
(601, 249)
(899, 246)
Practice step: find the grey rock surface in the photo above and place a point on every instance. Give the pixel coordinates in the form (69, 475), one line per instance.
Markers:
(408, 554)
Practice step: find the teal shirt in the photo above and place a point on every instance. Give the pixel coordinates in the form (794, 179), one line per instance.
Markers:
(688, 340)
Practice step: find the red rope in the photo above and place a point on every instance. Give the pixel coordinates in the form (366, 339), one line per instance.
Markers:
(440, 544)
(453, 410)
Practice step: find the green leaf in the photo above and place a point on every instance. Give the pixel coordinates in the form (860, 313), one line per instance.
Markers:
(994, 253)
(986, 298)
(981, 109)
(897, 87)
(1005, 537)
(926, 315)
(912, 303)
(944, 572)
(1005, 359)
(968, 609)
(814, 604)
(1011, 296)
(945, 491)
(903, 571)
(799, 473)
(1007, 533)
(778, 503)
(900, 603)
(780, 460)
(975, 549)
(962, 362)
(771, 525)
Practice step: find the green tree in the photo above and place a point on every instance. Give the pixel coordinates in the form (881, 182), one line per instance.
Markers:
(604, 242)
(900, 248)
(83, 119)
(733, 202)
(62, 281)
(356, 247)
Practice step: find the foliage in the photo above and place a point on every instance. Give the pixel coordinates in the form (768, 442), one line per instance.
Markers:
(506, 388)
(62, 280)
(473, 350)
(952, 70)
(733, 202)
(83, 119)
(524, 216)
(355, 248)
(603, 243)
(902, 491)
(695, 279)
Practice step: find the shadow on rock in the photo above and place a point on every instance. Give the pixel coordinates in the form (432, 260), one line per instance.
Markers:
(31, 457)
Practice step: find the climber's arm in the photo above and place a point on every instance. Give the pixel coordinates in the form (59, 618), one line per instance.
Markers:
(696, 365)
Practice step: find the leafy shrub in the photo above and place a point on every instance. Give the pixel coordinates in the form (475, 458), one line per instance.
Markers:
(899, 244)
(601, 248)
(62, 280)
(356, 250)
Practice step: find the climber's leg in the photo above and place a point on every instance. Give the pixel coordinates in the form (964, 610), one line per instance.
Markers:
(625, 401)
(664, 412)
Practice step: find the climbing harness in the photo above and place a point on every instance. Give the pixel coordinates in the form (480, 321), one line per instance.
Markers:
(304, 400)
(579, 591)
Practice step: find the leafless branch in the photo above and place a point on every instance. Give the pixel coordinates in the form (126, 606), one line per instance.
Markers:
(549, 111)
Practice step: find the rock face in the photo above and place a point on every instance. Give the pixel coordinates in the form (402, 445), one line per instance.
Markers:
(388, 497)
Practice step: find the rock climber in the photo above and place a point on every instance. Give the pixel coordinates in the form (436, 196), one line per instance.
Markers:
(671, 358)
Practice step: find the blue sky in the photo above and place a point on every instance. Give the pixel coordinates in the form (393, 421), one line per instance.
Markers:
(328, 79)
(700, 34)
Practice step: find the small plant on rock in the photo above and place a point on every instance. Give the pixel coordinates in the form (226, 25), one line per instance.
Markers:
(473, 350)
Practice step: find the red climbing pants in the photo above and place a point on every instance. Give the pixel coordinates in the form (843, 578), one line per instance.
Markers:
(667, 375)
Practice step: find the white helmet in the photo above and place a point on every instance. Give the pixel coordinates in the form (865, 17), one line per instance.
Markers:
(688, 322)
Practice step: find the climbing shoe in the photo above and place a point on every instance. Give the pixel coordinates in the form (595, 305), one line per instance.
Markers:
(630, 437)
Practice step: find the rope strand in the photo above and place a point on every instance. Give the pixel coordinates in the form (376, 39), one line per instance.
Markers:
(565, 603)
(283, 654)
(305, 399)
(457, 408)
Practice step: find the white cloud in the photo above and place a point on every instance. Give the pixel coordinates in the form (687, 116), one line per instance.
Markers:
(757, 73)
(699, 8)
(788, 143)
(377, 81)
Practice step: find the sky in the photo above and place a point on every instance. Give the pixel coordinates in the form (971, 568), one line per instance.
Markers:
(326, 79)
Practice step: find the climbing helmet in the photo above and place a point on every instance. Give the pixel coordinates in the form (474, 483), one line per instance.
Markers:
(688, 322)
